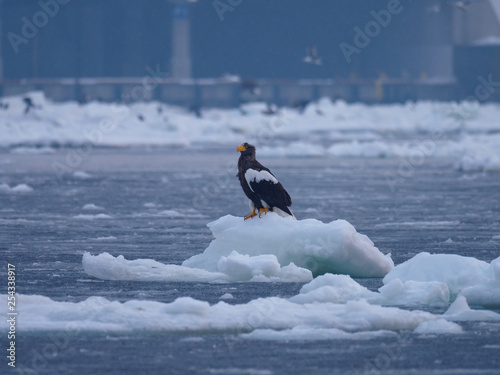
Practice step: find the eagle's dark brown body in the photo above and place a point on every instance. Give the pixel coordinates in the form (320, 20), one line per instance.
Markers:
(260, 185)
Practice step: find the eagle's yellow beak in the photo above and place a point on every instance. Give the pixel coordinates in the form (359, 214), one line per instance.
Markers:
(240, 148)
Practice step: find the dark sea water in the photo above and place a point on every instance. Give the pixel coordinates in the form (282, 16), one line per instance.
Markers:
(403, 209)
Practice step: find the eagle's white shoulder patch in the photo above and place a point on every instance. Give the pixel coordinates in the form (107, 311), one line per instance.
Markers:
(258, 176)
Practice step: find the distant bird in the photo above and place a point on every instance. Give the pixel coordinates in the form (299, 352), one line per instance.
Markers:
(463, 5)
(261, 187)
(29, 104)
(270, 109)
(251, 86)
(312, 56)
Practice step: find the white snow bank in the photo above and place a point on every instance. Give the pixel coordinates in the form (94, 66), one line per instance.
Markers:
(21, 189)
(334, 247)
(477, 280)
(235, 267)
(186, 314)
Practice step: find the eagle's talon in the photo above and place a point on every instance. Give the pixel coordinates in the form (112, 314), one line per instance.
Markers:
(251, 215)
(263, 211)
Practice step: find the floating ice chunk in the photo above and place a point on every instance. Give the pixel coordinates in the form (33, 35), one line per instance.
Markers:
(335, 247)
(456, 271)
(82, 175)
(244, 267)
(459, 310)
(341, 289)
(331, 288)
(411, 293)
(106, 267)
(187, 305)
(189, 315)
(21, 189)
(92, 217)
(235, 267)
(300, 333)
(438, 326)
(226, 296)
(486, 293)
(91, 207)
(294, 274)
(107, 238)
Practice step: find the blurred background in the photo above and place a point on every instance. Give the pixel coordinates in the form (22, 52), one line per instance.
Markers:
(224, 52)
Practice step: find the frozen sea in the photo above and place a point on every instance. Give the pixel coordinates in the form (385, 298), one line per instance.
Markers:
(155, 202)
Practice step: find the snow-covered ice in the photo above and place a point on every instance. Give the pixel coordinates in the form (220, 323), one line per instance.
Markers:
(188, 314)
(261, 316)
(438, 326)
(333, 247)
(477, 280)
(341, 288)
(283, 250)
(235, 267)
(466, 132)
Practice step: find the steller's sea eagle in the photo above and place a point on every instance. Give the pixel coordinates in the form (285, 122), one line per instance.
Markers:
(260, 186)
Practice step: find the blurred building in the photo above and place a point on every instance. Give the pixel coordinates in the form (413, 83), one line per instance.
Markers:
(370, 50)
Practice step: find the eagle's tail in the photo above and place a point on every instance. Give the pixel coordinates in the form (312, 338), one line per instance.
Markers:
(283, 213)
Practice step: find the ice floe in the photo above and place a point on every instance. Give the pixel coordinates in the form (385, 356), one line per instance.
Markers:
(477, 280)
(333, 247)
(186, 314)
(270, 248)
(20, 189)
(91, 207)
(233, 268)
(268, 318)
(92, 217)
(467, 132)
